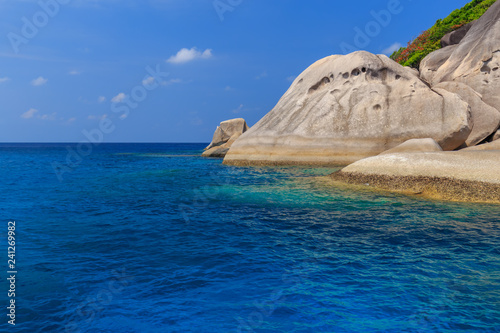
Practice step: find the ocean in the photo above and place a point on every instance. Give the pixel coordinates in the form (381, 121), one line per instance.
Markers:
(154, 238)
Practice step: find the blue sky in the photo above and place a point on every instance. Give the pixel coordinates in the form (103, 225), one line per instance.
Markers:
(80, 66)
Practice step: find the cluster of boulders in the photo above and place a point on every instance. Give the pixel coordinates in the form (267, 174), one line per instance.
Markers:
(345, 108)
(468, 66)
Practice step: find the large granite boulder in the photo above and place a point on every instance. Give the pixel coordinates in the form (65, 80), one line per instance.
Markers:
(345, 108)
(225, 135)
(486, 119)
(475, 61)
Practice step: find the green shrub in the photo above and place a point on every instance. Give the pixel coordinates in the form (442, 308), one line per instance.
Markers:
(430, 40)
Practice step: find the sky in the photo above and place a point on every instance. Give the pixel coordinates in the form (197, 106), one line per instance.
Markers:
(172, 70)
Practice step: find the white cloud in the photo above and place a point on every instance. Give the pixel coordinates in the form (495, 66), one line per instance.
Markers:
(40, 81)
(123, 116)
(119, 98)
(74, 72)
(239, 109)
(32, 112)
(4, 79)
(171, 81)
(29, 114)
(261, 75)
(148, 81)
(93, 117)
(291, 78)
(228, 88)
(187, 55)
(391, 49)
(48, 116)
(71, 120)
(196, 121)
(101, 99)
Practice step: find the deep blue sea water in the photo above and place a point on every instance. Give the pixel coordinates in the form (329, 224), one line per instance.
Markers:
(154, 238)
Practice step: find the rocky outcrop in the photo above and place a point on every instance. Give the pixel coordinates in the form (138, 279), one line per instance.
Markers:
(345, 108)
(218, 152)
(460, 165)
(456, 36)
(475, 61)
(415, 146)
(225, 135)
(485, 118)
(226, 130)
(460, 176)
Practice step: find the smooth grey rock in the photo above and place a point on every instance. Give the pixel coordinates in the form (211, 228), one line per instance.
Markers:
(414, 146)
(482, 166)
(413, 71)
(218, 152)
(225, 135)
(430, 64)
(485, 118)
(221, 150)
(456, 36)
(496, 136)
(226, 130)
(475, 61)
(494, 145)
(344, 108)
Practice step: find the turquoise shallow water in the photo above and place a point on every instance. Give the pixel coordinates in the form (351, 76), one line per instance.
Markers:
(153, 238)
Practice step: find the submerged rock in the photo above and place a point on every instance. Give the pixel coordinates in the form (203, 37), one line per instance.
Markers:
(345, 108)
(225, 135)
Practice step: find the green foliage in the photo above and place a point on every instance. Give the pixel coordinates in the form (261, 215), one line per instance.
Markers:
(430, 40)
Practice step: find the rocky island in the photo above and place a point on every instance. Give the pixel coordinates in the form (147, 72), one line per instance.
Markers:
(432, 131)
